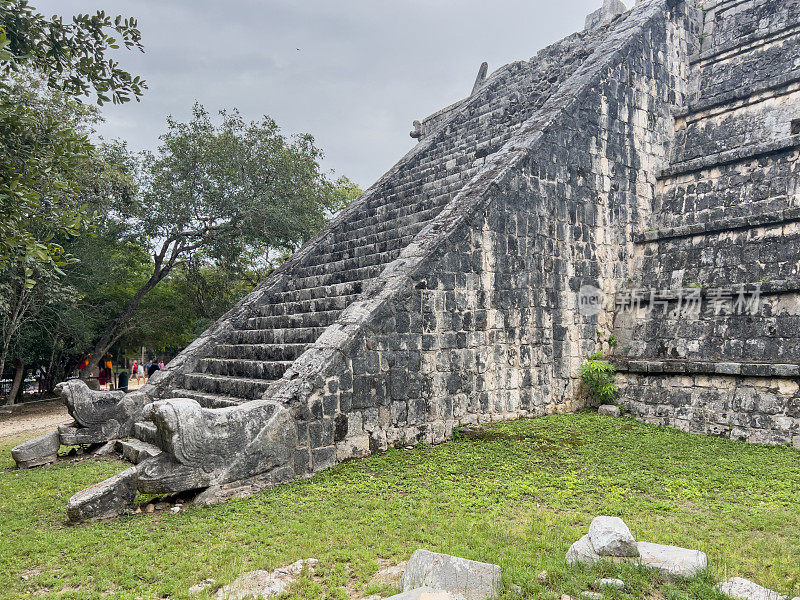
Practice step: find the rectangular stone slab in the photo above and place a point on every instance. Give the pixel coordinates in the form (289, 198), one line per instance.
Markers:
(471, 579)
(39, 451)
(109, 498)
(672, 560)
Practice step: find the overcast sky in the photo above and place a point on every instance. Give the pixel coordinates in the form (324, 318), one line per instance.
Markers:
(353, 73)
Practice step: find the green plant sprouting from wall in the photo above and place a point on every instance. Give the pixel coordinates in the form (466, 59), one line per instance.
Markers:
(597, 376)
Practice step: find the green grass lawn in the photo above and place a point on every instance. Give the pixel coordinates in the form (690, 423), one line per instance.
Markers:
(518, 497)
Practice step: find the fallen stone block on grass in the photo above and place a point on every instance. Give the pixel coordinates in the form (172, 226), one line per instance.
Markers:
(612, 583)
(109, 498)
(672, 560)
(582, 552)
(471, 579)
(426, 593)
(264, 584)
(744, 589)
(609, 410)
(610, 536)
(39, 451)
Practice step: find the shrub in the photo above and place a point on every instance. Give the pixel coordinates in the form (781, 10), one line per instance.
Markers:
(598, 377)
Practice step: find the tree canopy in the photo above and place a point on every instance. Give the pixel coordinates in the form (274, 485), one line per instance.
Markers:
(225, 193)
(103, 249)
(40, 153)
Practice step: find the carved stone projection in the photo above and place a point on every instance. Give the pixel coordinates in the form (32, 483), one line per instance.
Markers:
(205, 447)
(604, 15)
(652, 151)
(99, 416)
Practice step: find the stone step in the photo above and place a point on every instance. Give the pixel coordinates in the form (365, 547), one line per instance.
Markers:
(222, 385)
(336, 278)
(297, 335)
(135, 451)
(391, 204)
(355, 239)
(392, 226)
(306, 306)
(206, 400)
(749, 216)
(321, 318)
(265, 352)
(656, 366)
(347, 264)
(251, 369)
(394, 244)
(393, 223)
(146, 432)
(350, 288)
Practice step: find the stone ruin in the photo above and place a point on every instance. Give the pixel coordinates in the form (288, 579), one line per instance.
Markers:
(633, 188)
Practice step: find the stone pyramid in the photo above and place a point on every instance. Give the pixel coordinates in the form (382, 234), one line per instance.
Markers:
(572, 203)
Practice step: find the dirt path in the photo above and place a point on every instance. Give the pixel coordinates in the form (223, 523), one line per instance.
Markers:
(36, 417)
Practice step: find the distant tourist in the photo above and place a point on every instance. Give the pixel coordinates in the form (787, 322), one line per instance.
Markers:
(137, 371)
(40, 373)
(151, 368)
(161, 365)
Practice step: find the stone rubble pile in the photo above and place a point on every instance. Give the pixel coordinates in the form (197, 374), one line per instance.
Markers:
(609, 538)
(264, 584)
(743, 589)
(434, 576)
(426, 576)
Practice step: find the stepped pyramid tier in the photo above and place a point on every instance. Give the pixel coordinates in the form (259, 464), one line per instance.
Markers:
(708, 324)
(655, 150)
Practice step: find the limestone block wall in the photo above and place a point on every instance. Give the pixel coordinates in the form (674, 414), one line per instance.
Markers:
(760, 184)
(746, 45)
(709, 323)
(762, 410)
(721, 329)
(756, 120)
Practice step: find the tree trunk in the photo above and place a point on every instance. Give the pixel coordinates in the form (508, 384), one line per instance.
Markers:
(48, 374)
(19, 376)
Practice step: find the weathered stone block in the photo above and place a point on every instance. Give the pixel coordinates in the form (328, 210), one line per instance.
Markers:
(609, 410)
(473, 580)
(743, 589)
(136, 451)
(582, 552)
(426, 593)
(109, 498)
(610, 536)
(672, 560)
(39, 451)
(264, 584)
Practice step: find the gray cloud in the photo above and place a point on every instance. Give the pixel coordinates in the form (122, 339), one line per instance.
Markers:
(365, 69)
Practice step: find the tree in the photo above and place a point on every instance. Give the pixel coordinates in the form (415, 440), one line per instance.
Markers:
(22, 302)
(33, 279)
(215, 193)
(71, 59)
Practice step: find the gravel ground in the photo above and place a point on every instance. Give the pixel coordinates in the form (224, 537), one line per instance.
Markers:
(36, 417)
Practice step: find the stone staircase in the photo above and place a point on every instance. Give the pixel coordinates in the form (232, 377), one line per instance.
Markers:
(264, 343)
